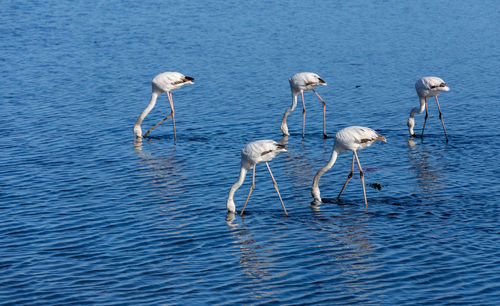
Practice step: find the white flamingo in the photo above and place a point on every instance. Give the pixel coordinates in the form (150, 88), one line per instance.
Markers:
(260, 151)
(427, 87)
(163, 82)
(299, 83)
(351, 138)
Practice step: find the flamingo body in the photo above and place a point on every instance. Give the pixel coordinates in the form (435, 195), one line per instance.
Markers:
(299, 83)
(163, 82)
(430, 86)
(260, 151)
(168, 81)
(353, 138)
(427, 87)
(304, 81)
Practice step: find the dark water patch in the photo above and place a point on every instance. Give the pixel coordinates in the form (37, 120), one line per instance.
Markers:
(199, 138)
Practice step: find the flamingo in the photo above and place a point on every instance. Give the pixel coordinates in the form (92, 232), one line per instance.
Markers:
(163, 82)
(351, 138)
(260, 151)
(299, 83)
(427, 87)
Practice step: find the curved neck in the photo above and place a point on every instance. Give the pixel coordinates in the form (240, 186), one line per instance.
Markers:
(420, 109)
(241, 179)
(315, 189)
(150, 106)
(292, 108)
(294, 102)
(284, 126)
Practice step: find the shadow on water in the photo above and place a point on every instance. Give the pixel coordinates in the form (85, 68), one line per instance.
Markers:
(428, 166)
(348, 235)
(157, 137)
(164, 172)
(345, 246)
(334, 201)
(153, 162)
(253, 264)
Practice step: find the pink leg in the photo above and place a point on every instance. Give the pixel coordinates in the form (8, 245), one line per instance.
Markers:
(425, 120)
(250, 191)
(441, 117)
(276, 187)
(324, 113)
(348, 177)
(149, 131)
(169, 94)
(303, 114)
(362, 176)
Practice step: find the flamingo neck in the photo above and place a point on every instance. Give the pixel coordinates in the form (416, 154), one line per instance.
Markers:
(145, 112)
(420, 109)
(295, 94)
(411, 121)
(315, 189)
(284, 126)
(294, 103)
(230, 202)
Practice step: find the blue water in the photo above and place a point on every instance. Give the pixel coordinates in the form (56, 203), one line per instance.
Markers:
(91, 216)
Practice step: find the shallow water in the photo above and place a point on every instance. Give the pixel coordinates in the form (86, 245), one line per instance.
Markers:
(90, 215)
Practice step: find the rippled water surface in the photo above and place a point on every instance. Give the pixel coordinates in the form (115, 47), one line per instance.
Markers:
(89, 215)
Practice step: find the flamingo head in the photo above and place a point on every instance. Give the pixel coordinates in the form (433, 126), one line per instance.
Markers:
(411, 124)
(441, 87)
(230, 205)
(138, 131)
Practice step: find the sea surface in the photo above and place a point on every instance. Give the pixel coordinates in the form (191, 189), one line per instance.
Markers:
(90, 215)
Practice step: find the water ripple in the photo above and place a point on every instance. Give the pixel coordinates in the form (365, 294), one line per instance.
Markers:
(92, 216)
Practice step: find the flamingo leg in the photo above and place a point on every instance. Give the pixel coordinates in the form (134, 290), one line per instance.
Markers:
(348, 177)
(324, 113)
(441, 117)
(169, 94)
(149, 131)
(425, 120)
(276, 187)
(362, 176)
(250, 191)
(303, 114)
